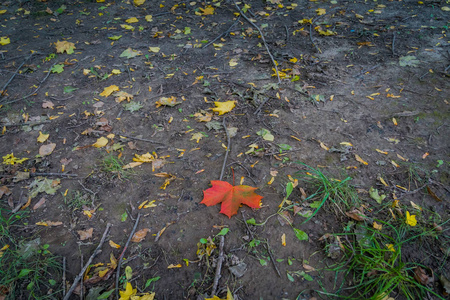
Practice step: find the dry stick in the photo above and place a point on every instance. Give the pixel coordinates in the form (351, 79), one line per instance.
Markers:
(225, 33)
(228, 150)
(81, 289)
(219, 266)
(64, 276)
(53, 174)
(311, 38)
(139, 139)
(26, 124)
(80, 275)
(14, 75)
(262, 37)
(123, 253)
(393, 44)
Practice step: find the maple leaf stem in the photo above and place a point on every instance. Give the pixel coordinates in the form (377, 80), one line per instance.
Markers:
(228, 150)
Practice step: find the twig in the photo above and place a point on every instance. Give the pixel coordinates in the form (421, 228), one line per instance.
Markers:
(219, 266)
(3, 90)
(26, 124)
(64, 276)
(64, 99)
(262, 37)
(81, 289)
(225, 33)
(53, 174)
(139, 139)
(365, 71)
(393, 44)
(123, 253)
(287, 34)
(129, 74)
(228, 149)
(33, 92)
(311, 38)
(80, 275)
(271, 258)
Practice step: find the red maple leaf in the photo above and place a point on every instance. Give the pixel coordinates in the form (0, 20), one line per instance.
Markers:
(230, 196)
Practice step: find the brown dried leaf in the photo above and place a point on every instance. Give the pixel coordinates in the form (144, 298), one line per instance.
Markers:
(65, 161)
(51, 223)
(48, 104)
(4, 190)
(308, 268)
(421, 276)
(140, 235)
(45, 150)
(39, 203)
(432, 194)
(85, 234)
(355, 214)
(285, 218)
(297, 209)
(132, 145)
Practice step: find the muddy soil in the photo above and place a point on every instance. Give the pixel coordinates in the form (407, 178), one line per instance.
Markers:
(364, 93)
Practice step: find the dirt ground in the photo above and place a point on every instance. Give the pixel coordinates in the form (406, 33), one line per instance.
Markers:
(364, 93)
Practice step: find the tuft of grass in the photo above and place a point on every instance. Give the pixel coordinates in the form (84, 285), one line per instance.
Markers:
(75, 200)
(28, 269)
(339, 195)
(114, 165)
(373, 266)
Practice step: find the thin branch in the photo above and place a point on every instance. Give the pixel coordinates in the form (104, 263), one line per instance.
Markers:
(219, 266)
(14, 75)
(80, 275)
(225, 33)
(64, 276)
(228, 149)
(311, 38)
(262, 37)
(271, 258)
(139, 139)
(25, 124)
(123, 253)
(53, 174)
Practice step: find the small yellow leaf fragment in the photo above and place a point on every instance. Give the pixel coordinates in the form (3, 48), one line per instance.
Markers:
(42, 137)
(394, 164)
(233, 62)
(381, 151)
(42, 224)
(410, 219)
(323, 146)
(4, 40)
(115, 72)
(382, 181)
(321, 11)
(132, 20)
(271, 181)
(138, 2)
(394, 120)
(114, 245)
(197, 136)
(109, 90)
(172, 266)
(150, 204)
(283, 240)
(149, 18)
(346, 144)
(416, 206)
(445, 8)
(142, 204)
(359, 159)
(377, 226)
(390, 247)
(425, 155)
(154, 49)
(101, 142)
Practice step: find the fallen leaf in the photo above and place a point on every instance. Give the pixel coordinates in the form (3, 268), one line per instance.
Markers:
(122, 96)
(410, 219)
(101, 142)
(4, 40)
(373, 193)
(321, 11)
(130, 53)
(230, 196)
(154, 49)
(85, 234)
(42, 137)
(138, 2)
(45, 150)
(203, 117)
(355, 214)
(224, 107)
(197, 136)
(132, 20)
(128, 293)
(114, 245)
(208, 10)
(66, 46)
(171, 266)
(167, 101)
(109, 90)
(421, 276)
(283, 240)
(140, 235)
(48, 104)
(359, 159)
(39, 203)
(233, 62)
(433, 194)
(377, 226)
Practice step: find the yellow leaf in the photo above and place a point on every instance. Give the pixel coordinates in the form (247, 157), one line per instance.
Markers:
(4, 40)
(293, 60)
(445, 8)
(321, 11)
(416, 206)
(131, 165)
(154, 49)
(233, 62)
(149, 18)
(171, 266)
(42, 223)
(142, 204)
(209, 10)
(377, 226)
(150, 204)
(103, 273)
(381, 151)
(1, 13)
(224, 107)
(114, 245)
(66, 46)
(121, 96)
(9, 159)
(109, 90)
(147, 296)
(197, 136)
(382, 181)
(147, 157)
(132, 20)
(42, 137)
(390, 247)
(129, 27)
(101, 142)
(411, 219)
(129, 291)
(283, 240)
(323, 146)
(346, 144)
(115, 72)
(271, 181)
(138, 2)
(358, 158)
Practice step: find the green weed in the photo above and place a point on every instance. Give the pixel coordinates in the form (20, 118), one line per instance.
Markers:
(75, 200)
(114, 165)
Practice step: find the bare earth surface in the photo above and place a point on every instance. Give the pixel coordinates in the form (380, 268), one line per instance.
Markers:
(364, 94)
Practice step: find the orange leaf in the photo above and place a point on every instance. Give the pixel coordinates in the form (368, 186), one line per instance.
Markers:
(140, 235)
(230, 196)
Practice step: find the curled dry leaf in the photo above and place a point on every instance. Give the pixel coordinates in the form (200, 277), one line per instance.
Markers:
(421, 276)
(114, 245)
(48, 104)
(45, 150)
(85, 234)
(4, 190)
(39, 203)
(355, 214)
(285, 218)
(140, 235)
